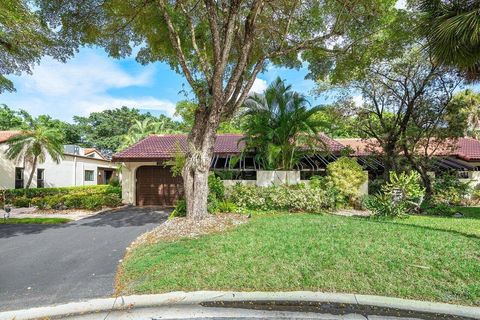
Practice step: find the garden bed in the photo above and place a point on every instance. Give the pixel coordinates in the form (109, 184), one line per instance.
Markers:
(420, 257)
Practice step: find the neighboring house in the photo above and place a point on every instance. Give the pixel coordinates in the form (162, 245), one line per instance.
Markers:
(461, 155)
(79, 167)
(147, 180)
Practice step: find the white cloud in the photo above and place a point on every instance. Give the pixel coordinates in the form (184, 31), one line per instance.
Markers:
(80, 86)
(358, 100)
(259, 86)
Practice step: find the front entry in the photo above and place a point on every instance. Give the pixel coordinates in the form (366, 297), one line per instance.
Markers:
(155, 186)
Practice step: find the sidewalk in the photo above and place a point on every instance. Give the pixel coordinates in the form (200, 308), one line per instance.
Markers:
(242, 305)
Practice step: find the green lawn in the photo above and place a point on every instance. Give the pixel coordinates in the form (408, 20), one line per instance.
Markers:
(34, 221)
(425, 258)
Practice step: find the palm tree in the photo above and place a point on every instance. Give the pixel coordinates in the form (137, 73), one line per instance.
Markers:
(452, 28)
(32, 146)
(145, 127)
(280, 126)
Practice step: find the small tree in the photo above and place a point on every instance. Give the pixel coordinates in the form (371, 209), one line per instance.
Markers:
(279, 126)
(33, 146)
(392, 91)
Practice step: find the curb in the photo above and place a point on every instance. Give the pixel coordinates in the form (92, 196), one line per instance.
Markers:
(194, 298)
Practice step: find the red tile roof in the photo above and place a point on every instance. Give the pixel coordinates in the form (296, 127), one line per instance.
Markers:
(164, 146)
(463, 148)
(5, 135)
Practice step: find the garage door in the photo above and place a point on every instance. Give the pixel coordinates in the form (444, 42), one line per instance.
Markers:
(157, 187)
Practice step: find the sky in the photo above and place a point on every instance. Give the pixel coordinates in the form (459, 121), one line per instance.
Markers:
(92, 81)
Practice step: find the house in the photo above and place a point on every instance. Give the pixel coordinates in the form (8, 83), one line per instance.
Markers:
(461, 155)
(147, 179)
(79, 167)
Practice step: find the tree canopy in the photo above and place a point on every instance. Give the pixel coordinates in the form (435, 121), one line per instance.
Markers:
(24, 39)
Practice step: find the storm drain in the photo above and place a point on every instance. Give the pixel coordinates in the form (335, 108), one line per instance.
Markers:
(330, 308)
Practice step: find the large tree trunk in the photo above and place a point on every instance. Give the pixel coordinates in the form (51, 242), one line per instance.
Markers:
(201, 142)
(34, 167)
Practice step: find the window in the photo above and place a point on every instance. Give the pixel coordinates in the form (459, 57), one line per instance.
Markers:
(18, 178)
(40, 178)
(89, 175)
(463, 175)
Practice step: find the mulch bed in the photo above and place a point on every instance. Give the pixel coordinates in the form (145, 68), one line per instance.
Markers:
(178, 228)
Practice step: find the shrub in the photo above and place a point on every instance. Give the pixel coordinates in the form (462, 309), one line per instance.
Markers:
(54, 202)
(216, 187)
(227, 207)
(382, 205)
(94, 201)
(402, 195)
(346, 176)
(449, 190)
(74, 201)
(11, 194)
(38, 202)
(180, 209)
(407, 184)
(307, 199)
(114, 182)
(375, 185)
(21, 202)
(437, 209)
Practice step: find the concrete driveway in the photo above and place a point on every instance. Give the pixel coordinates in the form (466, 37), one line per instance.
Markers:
(51, 264)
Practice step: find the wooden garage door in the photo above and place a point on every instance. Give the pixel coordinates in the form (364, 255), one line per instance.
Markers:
(156, 186)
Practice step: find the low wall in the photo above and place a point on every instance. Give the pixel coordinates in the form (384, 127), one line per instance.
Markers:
(269, 178)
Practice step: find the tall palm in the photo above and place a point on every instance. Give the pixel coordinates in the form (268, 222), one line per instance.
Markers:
(280, 126)
(145, 127)
(453, 31)
(32, 146)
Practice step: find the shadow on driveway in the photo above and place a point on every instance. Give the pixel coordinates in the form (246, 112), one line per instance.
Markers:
(51, 264)
(117, 218)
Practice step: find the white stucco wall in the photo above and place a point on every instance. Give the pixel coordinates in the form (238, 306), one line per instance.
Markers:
(69, 172)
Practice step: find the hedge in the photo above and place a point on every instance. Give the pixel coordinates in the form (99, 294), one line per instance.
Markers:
(83, 197)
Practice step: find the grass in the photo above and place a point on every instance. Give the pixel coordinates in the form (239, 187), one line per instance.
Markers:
(34, 221)
(426, 258)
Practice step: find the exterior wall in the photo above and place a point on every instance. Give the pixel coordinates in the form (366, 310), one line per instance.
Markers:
(129, 170)
(69, 172)
(268, 178)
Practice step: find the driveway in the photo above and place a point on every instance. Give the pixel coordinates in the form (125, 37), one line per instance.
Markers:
(51, 264)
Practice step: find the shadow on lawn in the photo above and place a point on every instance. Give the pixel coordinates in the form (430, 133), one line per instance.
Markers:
(468, 235)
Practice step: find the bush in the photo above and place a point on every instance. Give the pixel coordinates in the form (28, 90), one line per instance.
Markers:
(382, 205)
(216, 187)
(227, 207)
(402, 195)
(308, 199)
(180, 209)
(21, 202)
(85, 197)
(407, 184)
(94, 201)
(346, 176)
(11, 194)
(38, 202)
(437, 209)
(115, 182)
(449, 190)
